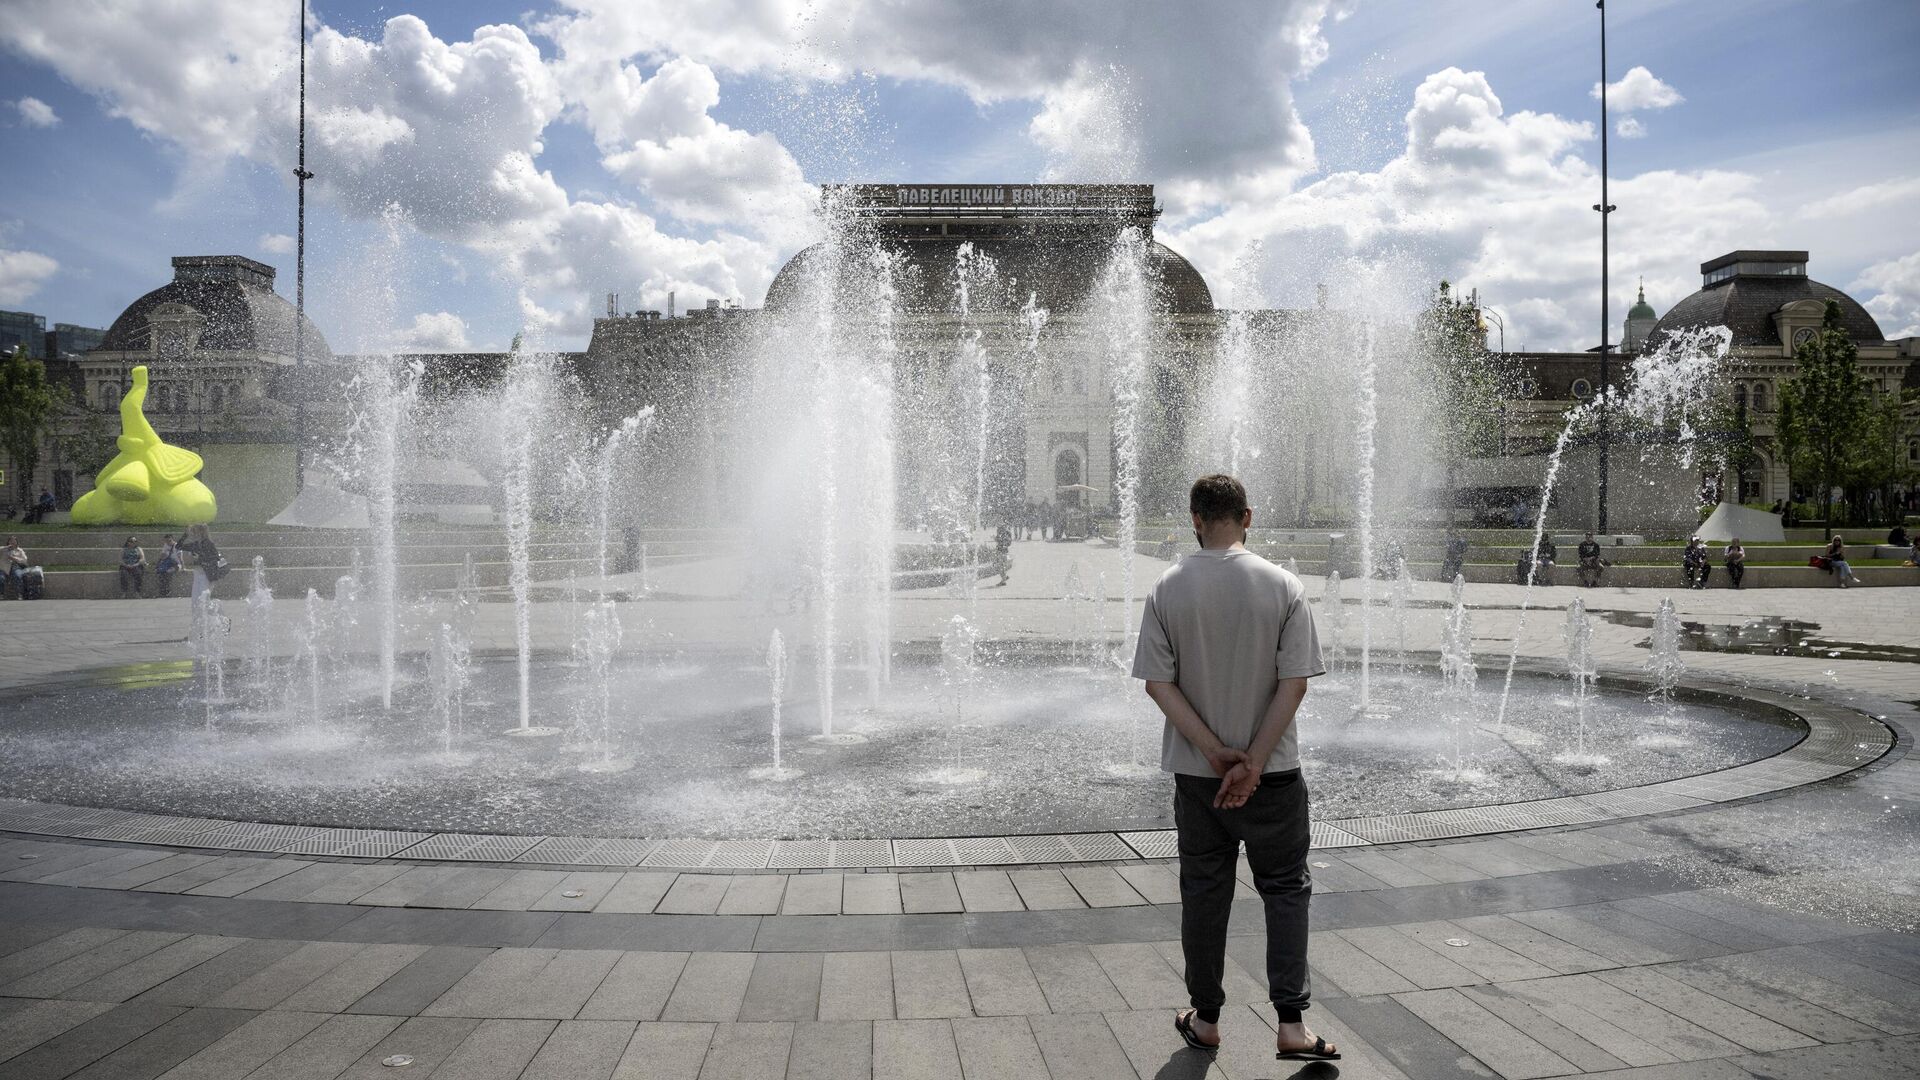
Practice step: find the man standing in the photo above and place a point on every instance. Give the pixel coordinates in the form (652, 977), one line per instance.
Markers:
(1227, 645)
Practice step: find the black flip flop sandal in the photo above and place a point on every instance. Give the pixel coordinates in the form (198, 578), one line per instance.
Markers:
(1320, 1052)
(1183, 1023)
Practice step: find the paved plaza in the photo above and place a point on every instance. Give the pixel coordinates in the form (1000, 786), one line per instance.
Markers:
(1744, 935)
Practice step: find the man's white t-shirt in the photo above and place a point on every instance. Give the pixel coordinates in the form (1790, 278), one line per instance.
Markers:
(1225, 626)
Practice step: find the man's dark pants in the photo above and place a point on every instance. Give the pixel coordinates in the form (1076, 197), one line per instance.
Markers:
(1273, 826)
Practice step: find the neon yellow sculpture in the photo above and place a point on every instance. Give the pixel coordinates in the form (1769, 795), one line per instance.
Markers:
(148, 482)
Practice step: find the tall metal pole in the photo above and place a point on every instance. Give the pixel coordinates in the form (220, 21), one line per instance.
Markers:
(301, 176)
(1606, 213)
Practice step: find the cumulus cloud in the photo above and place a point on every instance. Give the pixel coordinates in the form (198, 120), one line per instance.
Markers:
(1057, 55)
(435, 332)
(1896, 295)
(36, 113)
(276, 243)
(1637, 91)
(1491, 199)
(1866, 197)
(446, 135)
(22, 273)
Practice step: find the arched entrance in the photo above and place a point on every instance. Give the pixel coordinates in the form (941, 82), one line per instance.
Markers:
(1067, 472)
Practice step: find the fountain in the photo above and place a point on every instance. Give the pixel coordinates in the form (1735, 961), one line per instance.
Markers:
(1663, 655)
(1457, 673)
(260, 628)
(1333, 623)
(1581, 669)
(1126, 288)
(776, 692)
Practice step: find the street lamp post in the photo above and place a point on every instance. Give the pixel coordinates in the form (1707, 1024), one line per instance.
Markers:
(1606, 210)
(301, 176)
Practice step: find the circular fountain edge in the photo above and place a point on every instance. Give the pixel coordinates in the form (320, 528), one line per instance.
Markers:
(1838, 740)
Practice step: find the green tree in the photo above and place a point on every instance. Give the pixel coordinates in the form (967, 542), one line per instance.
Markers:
(1881, 461)
(1826, 402)
(27, 400)
(1468, 382)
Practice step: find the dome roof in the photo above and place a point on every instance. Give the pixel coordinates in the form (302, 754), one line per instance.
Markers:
(1061, 273)
(1746, 305)
(1641, 309)
(234, 295)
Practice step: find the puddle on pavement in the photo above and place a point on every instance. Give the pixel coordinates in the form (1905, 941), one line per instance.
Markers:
(1769, 637)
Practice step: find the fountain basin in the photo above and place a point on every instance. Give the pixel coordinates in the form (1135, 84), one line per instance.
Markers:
(1032, 747)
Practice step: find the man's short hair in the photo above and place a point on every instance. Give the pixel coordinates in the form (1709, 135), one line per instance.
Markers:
(1218, 497)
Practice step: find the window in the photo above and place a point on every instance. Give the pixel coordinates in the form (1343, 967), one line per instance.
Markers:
(163, 400)
(1079, 379)
(1582, 389)
(1759, 397)
(216, 398)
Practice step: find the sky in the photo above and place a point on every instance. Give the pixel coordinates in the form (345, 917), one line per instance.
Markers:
(490, 167)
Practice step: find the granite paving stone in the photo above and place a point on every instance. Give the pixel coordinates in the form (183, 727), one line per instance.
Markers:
(1532, 942)
(428, 1040)
(1339, 875)
(1072, 980)
(1079, 1047)
(166, 1046)
(1350, 969)
(1668, 1035)
(1153, 1050)
(997, 1046)
(424, 926)
(929, 892)
(16, 935)
(1157, 883)
(329, 883)
(101, 873)
(527, 984)
(1102, 886)
(291, 973)
(1239, 986)
(247, 1047)
(199, 874)
(1408, 958)
(748, 1051)
(753, 894)
(870, 894)
(44, 954)
(1500, 1045)
(811, 894)
(592, 885)
(1739, 937)
(1489, 960)
(1877, 1059)
(149, 971)
(582, 1050)
(837, 1050)
(519, 890)
(695, 894)
(710, 988)
(636, 988)
(856, 986)
(87, 1042)
(784, 986)
(1043, 890)
(1761, 999)
(1848, 1001)
(667, 1051)
(1390, 872)
(52, 980)
(353, 978)
(637, 892)
(914, 1050)
(1542, 1028)
(929, 984)
(411, 989)
(1729, 1021)
(37, 1021)
(1408, 1043)
(1434, 863)
(987, 890)
(1672, 943)
(1000, 983)
(435, 887)
(202, 983)
(1590, 936)
(256, 873)
(1141, 975)
(495, 1050)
